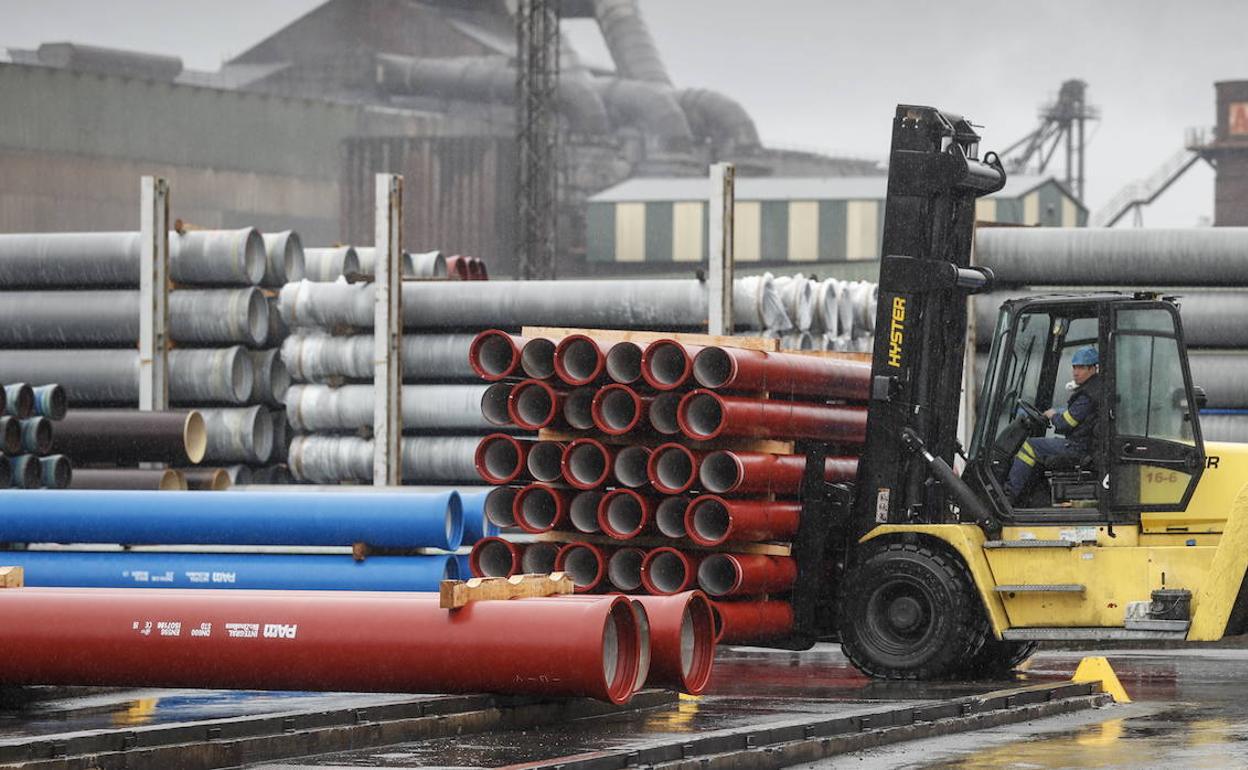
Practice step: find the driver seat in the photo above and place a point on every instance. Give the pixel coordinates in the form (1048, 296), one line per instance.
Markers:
(1071, 478)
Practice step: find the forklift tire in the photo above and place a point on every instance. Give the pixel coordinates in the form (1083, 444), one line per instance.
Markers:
(907, 611)
(997, 658)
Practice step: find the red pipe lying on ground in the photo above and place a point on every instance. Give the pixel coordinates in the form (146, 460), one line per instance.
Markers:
(361, 642)
(705, 415)
(541, 508)
(743, 622)
(624, 363)
(673, 468)
(728, 472)
(618, 409)
(667, 364)
(501, 459)
(581, 359)
(587, 463)
(534, 404)
(495, 354)
(711, 520)
(682, 641)
(739, 574)
(668, 571)
(585, 563)
(782, 374)
(624, 514)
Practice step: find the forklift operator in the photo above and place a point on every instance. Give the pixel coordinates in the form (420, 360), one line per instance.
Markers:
(1075, 425)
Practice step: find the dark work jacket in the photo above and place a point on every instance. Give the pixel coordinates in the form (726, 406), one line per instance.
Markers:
(1078, 421)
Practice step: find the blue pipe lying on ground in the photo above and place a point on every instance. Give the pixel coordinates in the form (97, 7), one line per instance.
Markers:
(387, 520)
(278, 571)
(476, 527)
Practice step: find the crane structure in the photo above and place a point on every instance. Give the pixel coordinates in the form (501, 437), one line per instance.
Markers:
(1062, 121)
(537, 136)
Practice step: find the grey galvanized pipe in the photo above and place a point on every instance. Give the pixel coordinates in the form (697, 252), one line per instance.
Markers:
(320, 408)
(628, 39)
(198, 257)
(283, 258)
(426, 459)
(1225, 427)
(329, 264)
(269, 377)
(278, 331)
(317, 357)
(1211, 319)
(430, 264)
(211, 375)
(1048, 256)
(797, 294)
(69, 318)
(238, 435)
(604, 304)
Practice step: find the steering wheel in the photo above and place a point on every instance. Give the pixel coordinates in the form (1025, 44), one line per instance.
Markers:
(1032, 414)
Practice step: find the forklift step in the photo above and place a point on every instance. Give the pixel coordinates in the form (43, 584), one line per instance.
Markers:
(1030, 544)
(1060, 588)
(1085, 634)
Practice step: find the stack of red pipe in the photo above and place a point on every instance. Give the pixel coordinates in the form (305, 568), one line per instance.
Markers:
(642, 473)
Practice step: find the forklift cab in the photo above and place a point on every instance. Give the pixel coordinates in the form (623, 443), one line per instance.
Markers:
(1143, 451)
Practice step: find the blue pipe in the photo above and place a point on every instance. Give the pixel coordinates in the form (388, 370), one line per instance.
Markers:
(476, 527)
(388, 520)
(281, 571)
(1224, 411)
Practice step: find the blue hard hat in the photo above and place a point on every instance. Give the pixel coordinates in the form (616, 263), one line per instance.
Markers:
(1085, 357)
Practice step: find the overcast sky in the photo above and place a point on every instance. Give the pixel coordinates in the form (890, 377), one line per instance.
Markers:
(826, 74)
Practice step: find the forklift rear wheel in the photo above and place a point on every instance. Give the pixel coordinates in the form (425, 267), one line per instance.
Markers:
(998, 657)
(908, 611)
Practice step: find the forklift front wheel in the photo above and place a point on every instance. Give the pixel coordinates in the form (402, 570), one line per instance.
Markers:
(908, 611)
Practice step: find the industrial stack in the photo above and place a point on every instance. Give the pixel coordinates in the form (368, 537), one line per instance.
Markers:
(76, 321)
(27, 457)
(661, 464)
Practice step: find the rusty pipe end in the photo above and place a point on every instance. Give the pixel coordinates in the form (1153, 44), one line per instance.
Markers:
(499, 459)
(721, 472)
(586, 463)
(623, 363)
(579, 359)
(701, 415)
(616, 409)
(672, 469)
(493, 355)
(533, 404)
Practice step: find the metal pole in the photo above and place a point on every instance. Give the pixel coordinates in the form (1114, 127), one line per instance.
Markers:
(154, 293)
(722, 199)
(388, 333)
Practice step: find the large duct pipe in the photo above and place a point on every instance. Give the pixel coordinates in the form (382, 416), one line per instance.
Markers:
(727, 472)
(667, 571)
(782, 374)
(283, 259)
(495, 557)
(589, 304)
(712, 520)
(268, 571)
(720, 119)
(326, 265)
(320, 408)
(399, 519)
(682, 639)
(1038, 256)
(746, 622)
(541, 508)
(673, 468)
(618, 409)
(426, 460)
(705, 415)
(738, 574)
(238, 435)
(585, 563)
(633, 50)
(587, 463)
(317, 357)
(486, 79)
(129, 436)
(90, 377)
(668, 364)
(396, 645)
(129, 478)
(73, 260)
(624, 514)
(630, 466)
(502, 459)
(67, 318)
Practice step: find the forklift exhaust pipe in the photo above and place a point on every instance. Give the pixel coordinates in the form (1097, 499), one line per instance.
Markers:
(745, 622)
(704, 415)
(587, 463)
(494, 557)
(624, 569)
(673, 468)
(540, 508)
(618, 409)
(669, 516)
(501, 459)
(581, 359)
(578, 408)
(728, 472)
(495, 355)
(544, 462)
(539, 558)
(498, 506)
(668, 571)
(630, 465)
(782, 374)
(732, 574)
(537, 359)
(663, 410)
(583, 511)
(624, 514)
(712, 520)
(682, 639)
(585, 563)
(534, 404)
(494, 404)
(624, 363)
(667, 364)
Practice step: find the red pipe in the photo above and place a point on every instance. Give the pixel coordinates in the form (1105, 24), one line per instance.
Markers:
(362, 642)
(738, 574)
(587, 463)
(682, 641)
(494, 557)
(537, 358)
(457, 268)
(673, 468)
(476, 269)
(668, 571)
(669, 516)
(711, 520)
(630, 465)
(624, 514)
(624, 569)
(578, 408)
(581, 359)
(728, 472)
(494, 404)
(534, 404)
(624, 363)
(495, 354)
(501, 459)
(499, 503)
(618, 409)
(539, 558)
(668, 364)
(704, 415)
(663, 410)
(541, 508)
(583, 511)
(586, 563)
(483, 270)
(545, 461)
(744, 622)
(782, 374)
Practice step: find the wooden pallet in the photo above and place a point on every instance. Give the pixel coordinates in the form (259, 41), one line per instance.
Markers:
(12, 577)
(453, 594)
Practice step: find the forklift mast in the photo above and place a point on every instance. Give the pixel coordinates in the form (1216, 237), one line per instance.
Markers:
(934, 178)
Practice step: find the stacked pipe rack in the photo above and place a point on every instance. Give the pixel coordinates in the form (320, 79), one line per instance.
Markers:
(27, 456)
(665, 462)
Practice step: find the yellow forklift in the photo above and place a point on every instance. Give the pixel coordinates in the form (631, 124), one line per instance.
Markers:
(1137, 531)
